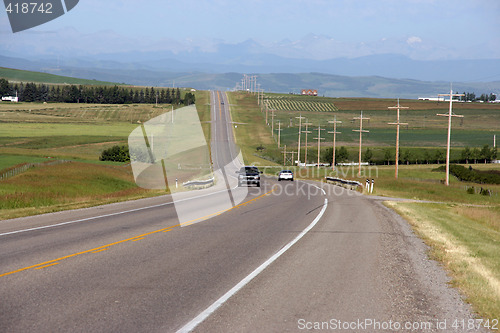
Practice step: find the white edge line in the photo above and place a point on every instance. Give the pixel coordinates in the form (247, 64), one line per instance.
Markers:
(114, 214)
(107, 215)
(206, 313)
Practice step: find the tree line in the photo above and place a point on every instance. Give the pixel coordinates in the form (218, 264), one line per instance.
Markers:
(471, 97)
(486, 154)
(31, 92)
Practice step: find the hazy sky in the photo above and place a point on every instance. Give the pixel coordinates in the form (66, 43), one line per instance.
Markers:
(419, 28)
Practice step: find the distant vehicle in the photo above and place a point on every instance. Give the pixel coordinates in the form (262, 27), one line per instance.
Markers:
(249, 175)
(285, 175)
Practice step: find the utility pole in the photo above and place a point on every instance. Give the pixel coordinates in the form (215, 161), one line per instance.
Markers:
(449, 115)
(361, 131)
(284, 156)
(267, 114)
(306, 132)
(272, 121)
(334, 122)
(300, 130)
(319, 138)
(397, 123)
(279, 134)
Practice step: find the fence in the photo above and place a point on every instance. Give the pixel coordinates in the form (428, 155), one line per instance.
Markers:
(25, 167)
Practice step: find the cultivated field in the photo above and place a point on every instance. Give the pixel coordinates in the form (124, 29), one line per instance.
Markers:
(424, 135)
(38, 133)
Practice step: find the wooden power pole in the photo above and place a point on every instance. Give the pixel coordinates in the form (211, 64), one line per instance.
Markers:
(300, 131)
(361, 131)
(334, 122)
(449, 115)
(319, 138)
(397, 123)
(306, 132)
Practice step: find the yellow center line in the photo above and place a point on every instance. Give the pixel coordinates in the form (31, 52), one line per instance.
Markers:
(56, 263)
(135, 238)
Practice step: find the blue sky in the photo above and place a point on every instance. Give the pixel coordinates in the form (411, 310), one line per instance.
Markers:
(421, 29)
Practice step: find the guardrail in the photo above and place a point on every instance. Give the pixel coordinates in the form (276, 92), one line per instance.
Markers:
(200, 183)
(350, 184)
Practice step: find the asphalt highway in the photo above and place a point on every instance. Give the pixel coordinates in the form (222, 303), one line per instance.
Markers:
(283, 257)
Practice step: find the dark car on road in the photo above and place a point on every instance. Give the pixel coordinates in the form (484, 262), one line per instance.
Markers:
(249, 175)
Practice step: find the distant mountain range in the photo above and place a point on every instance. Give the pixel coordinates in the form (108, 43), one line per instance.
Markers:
(370, 76)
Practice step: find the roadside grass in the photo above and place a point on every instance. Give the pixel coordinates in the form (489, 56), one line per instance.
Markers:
(203, 108)
(67, 186)
(467, 242)
(251, 131)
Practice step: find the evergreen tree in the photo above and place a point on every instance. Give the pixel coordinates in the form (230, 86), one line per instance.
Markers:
(343, 154)
(4, 87)
(368, 155)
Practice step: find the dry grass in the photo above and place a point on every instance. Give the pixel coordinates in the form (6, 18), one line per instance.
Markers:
(468, 250)
(67, 186)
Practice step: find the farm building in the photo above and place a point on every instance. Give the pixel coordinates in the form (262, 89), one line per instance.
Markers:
(309, 92)
(10, 99)
(438, 99)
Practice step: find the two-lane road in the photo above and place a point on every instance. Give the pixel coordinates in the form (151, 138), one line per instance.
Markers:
(130, 267)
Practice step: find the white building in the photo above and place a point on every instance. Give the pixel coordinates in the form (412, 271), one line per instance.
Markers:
(14, 99)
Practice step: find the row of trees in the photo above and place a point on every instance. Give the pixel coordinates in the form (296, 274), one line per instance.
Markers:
(471, 97)
(421, 156)
(31, 92)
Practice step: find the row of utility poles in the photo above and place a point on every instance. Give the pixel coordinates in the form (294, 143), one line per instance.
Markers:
(249, 84)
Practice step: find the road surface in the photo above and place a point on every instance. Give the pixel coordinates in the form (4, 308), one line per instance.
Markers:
(297, 255)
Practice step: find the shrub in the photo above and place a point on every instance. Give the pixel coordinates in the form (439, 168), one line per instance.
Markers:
(115, 154)
(471, 175)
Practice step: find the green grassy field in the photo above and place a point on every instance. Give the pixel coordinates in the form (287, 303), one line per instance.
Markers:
(38, 77)
(37, 132)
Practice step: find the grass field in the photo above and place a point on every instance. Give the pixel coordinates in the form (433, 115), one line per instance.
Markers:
(17, 75)
(67, 186)
(251, 131)
(38, 132)
(462, 229)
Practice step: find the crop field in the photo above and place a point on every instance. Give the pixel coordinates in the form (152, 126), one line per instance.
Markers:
(424, 128)
(306, 104)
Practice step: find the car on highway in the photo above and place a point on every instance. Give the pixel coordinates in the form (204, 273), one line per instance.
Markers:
(249, 175)
(285, 175)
